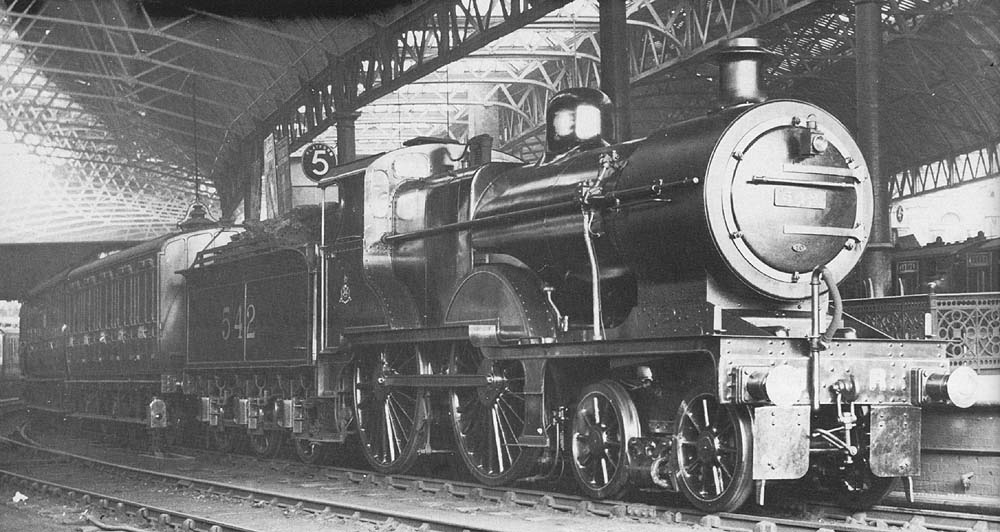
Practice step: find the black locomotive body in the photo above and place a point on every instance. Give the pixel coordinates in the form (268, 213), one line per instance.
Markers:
(651, 312)
(253, 326)
(646, 314)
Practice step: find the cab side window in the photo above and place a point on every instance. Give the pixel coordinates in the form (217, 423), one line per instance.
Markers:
(352, 198)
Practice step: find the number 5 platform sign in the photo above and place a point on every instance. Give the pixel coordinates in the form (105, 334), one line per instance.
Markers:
(317, 161)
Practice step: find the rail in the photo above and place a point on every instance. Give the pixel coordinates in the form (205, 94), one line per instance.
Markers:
(970, 322)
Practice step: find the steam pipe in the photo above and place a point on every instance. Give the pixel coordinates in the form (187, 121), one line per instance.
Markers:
(837, 321)
(595, 274)
(818, 342)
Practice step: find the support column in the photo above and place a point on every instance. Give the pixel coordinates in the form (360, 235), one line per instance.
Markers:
(483, 119)
(230, 190)
(251, 172)
(346, 142)
(876, 265)
(614, 65)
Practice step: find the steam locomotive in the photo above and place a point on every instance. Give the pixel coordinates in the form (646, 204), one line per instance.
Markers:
(647, 314)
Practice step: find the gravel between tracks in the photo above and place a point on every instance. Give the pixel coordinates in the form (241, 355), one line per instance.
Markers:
(274, 476)
(37, 515)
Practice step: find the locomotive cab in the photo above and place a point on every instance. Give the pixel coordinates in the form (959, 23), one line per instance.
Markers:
(377, 283)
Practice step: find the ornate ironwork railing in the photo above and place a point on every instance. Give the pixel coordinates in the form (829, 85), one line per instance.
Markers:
(971, 322)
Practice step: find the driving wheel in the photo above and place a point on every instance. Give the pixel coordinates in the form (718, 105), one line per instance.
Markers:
(391, 420)
(488, 420)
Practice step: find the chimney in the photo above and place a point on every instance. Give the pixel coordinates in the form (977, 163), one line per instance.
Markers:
(739, 71)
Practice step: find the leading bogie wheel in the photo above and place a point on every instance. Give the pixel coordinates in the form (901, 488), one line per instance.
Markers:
(603, 423)
(713, 452)
(852, 482)
(863, 491)
(488, 420)
(391, 420)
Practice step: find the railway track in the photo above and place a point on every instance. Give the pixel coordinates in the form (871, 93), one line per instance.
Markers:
(556, 506)
(308, 508)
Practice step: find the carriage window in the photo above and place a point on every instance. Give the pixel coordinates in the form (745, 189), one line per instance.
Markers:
(119, 301)
(89, 308)
(107, 303)
(142, 293)
(132, 297)
(127, 300)
(81, 310)
(150, 299)
(75, 311)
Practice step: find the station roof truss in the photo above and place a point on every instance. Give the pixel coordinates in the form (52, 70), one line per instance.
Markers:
(141, 105)
(940, 75)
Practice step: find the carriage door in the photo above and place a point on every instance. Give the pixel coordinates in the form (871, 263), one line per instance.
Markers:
(977, 272)
(908, 277)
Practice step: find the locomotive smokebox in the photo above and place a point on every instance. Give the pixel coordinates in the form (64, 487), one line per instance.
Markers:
(740, 62)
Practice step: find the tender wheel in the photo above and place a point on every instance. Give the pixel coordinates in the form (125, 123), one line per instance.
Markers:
(266, 445)
(392, 421)
(176, 432)
(489, 419)
(310, 452)
(713, 453)
(604, 422)
(222, 440)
